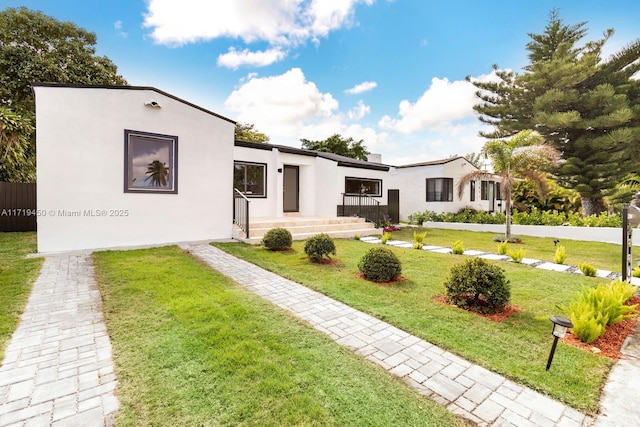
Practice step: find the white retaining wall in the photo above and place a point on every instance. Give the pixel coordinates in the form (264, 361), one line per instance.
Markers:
(590, 234)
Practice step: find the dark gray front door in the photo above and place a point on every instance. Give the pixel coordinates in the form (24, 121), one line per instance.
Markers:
(393, 205)
(291, 189)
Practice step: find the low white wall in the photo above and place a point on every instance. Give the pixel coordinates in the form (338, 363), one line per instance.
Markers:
(590, 234)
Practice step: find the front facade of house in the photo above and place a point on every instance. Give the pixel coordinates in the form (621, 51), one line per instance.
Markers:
(135, 166)
(129, 166)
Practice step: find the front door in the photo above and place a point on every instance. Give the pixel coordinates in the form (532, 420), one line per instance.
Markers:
(291, 189)
(393, 205)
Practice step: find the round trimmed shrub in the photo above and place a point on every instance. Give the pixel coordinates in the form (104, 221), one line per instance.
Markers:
(319, 246)
(380, 265)
(277, 239)
(477, 285)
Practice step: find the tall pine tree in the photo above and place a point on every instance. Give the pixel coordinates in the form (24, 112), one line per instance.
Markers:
(585, 107)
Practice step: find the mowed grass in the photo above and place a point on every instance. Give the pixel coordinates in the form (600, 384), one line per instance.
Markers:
(517, 348)
(604, 256)
(17, 274)
(191, 347)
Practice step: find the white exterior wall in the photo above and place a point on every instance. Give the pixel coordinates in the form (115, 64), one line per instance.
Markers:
(80, 155)
(411, 182)
(263, 206)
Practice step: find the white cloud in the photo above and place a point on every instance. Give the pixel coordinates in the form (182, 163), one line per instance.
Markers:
(118, 27)
(234, 59)
(443, 101)
(280, 105)
(278, 22)
(359, 111)
(362, 87)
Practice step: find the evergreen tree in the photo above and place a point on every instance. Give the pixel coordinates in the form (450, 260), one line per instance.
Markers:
(586, 108)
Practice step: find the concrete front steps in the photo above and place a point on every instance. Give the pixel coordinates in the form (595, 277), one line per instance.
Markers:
(302, 228)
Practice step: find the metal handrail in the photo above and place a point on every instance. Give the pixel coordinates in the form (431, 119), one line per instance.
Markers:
(366, 207)
(241, 211)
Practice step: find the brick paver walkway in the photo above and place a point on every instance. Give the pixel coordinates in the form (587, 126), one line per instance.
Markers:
(466, 389)
(57, 368)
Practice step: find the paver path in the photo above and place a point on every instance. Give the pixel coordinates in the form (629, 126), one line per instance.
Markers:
(466, 389)
(57, 368)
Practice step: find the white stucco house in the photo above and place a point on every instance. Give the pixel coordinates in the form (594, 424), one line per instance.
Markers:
(134, 166)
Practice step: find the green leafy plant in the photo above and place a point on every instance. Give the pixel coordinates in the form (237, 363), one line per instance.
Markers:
(319, 247)
(560, 256)
(277, 239)
(380, 265)
(516, 255)
(417, 245)
(356, 237)
(502, 247)
(587, 269)
(477, 285)
(385, 238)
(636, 272)
(595, 308)
(457, 248)
(419, 237)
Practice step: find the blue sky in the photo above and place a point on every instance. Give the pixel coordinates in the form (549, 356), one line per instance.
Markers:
(389, 72)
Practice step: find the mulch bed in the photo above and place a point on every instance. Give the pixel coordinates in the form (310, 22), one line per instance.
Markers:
(504, 314)
(325, 261)
(392, 282)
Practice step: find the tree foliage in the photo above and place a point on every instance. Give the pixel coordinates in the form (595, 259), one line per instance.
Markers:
(246, 132)
(15, 132)
(338, 145)
(37, 48)
(585, 107)
(525, 155)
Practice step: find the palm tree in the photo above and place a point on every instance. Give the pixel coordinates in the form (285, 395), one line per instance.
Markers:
(522, 156)
(158, 173)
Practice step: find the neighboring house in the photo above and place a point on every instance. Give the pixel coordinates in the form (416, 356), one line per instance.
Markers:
(128, 166)
(134, 166)
(433, 186)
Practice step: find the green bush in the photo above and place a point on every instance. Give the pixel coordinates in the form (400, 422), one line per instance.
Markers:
(417, 245)
(560, 256)
(380, 265)
(356, 237)
(319, 246)
(457, 248)
(477, 285)
(595, 308)
(587, 269)
(502, 247)
(516, 255)
(419, 237)
(385, 238)
(277, 239)
(636, 272)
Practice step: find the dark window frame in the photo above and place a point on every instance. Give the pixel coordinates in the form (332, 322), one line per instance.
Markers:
(472, 191)
(484, 190)
(447, 189)
(172, 160)
(376, 180)
(262, 195)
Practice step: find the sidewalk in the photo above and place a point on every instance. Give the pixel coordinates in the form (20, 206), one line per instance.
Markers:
(466, 389)
(57, 368)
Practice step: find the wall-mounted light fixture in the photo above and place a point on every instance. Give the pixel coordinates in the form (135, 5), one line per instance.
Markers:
(153, 104)
(279, 170)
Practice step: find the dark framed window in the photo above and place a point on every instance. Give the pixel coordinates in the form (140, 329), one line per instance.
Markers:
(150, 163)
(439, 189)
(484, 190)
(250, 178)
(472, 191)
(498, 191)
(372, 187)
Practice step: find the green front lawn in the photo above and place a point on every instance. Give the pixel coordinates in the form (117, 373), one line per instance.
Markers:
(191, 347)
(605, 256)
(517, 348)
(17, 275)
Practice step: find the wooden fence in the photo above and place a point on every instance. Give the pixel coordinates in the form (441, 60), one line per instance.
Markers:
(17, 206)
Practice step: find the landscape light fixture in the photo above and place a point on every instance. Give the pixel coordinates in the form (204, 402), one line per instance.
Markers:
(559, 330)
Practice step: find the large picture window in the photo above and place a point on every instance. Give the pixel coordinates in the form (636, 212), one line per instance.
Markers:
(250, 178)
(151, 163)
(372, 187)
(439, 189)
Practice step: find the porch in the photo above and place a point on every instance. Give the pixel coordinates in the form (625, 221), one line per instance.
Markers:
(303, 227)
